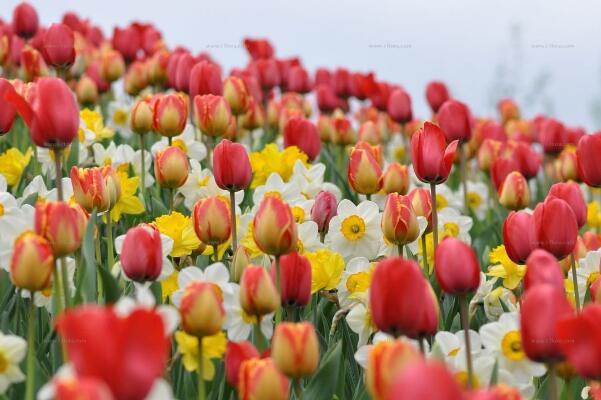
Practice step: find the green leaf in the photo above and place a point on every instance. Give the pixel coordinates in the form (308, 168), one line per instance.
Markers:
(86, 284)
(73, 154)
(31, 199)
(158, 208)
(110, 286)
(323, 385)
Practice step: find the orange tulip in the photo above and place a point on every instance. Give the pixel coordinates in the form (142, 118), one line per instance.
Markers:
(212, 220)
(61, 224)
(274, 229)
(201, 309)
(295, 349)
(171, 167)
(260, 379)
(258, 295)
(32, 262)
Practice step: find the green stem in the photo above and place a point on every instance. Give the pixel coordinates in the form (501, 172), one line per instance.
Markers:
(297, 388)
(368, 197)
(109, 239)
(215, 253)
(400, 249)
(465, 323)
(65, 282)
(233, 210)
(434, 216)
(422, 348)
(30, 385)
(463, 173)
(36, 162)
(171, 199)
(575, 282)
(58, 153)
(201, 380)
(58, 290)
(552, 386)
(425, 255)
(278, 283)
(258, 335)
(99, 262)
(143, 172)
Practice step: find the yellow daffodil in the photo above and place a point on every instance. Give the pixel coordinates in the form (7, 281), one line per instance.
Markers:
(213, 347)
(270, 160)
(504, 268)
(248, 241)
(326, 269)
(429, 252)
(169, 285)
(13, 163)
(128, 203)
(569, 286)
(593, 214)
(179, 228)
(92, 120)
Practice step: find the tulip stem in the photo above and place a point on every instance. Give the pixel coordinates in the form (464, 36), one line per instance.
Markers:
(465, 323)
(36, 162)
(278, 283)
(143, 172)
(65, 279)
(234, 231)
(58, 290)
(400, 249)
(297, 388)
(215, 253)
(425, 255)
(201, 380)
(463, 173)
(368, 197)
(258, 334)
(109, 241)
(422, 348)
(58, 154)
(434, 216)
(552, 384)
(575, 282)
(30, 385)
(171, 199)
(99, 262)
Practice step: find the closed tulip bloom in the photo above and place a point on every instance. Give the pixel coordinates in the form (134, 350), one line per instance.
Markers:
(580, 341)
(416, 382)
(542, 306)
(399, 222)
(399, 106)
(570, 193)
(267, 73)
(171, 167)
(183, 69)
(240, 261)
(95, 188)
(295, 349)
(212, 114)
(59, 46)
(370, 132)
(519, 236)
(141, 117)
(343, 132)
(7, 109)
(591, 240)
(456, 266)
(50, 111)
(302, 133)
(589, 168)
(62, 224)
(542, 268)
(135, 79)
(112, 65)
(364, 171)
(230, 175)
(454, 119)
(201, 309)
(421, 201)
(595, 290)
(205, 78)
(258, 294)
(396, 179)
(487, 153)
(298, 80)
(500, 169)
(526, 157)
(436, 94)
(236, 94)
(514, 193)
(258, 48)
(86, 91)
(169, 115)
(142, 254)
(25, 20)
(432, 158)
(552, 136)
(212, 220)
(500, 391)
(32, 64)
(260, 379)
(274, 229)
(566, 165)
(235, 354)
(32, 262)
(295, 279)
(323, 210)
(556, 227)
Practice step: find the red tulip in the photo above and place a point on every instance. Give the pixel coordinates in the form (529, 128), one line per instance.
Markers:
(589, 168)
(552, 136)
(7, 109)
(274, 228)
(595, 290)
(258, 48)
(298, 80)
(295, 279)
(570, 193)
(456, 266)
(127, 41)
(302, 133)
(580, 341)
(592, 240)
(421, 201)
(59, 46)
(498, 392)
(68, 388)
(432, 158)
(205, 78)
(398, 298)
(323, 77)
(183, 70)
(230, 175)
(542, 306)
(416, 381)
(25, 20)
(575, 134)
(267, 73)
(556, 227)
(500, 168)
(235, 354)
(212, 114)
(142, 254)
(62, 224)
(543, 268)
(364, 172)
(341, 82)
(454, 119)
(323, 210)
(126, 353)
(527, 159)
(326, 98)
(519, 236)
(399, 106)
(50, 111)
(436, 94)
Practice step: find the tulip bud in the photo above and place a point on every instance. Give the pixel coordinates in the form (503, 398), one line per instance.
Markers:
(112, 66)
(519, 236)
(570, 193)
(567, 165)
(169, 115)
(171, 167)
(32, 262)
(253, 118)
(399, 106)
(7, 111)
(205, 78)
(59, 46)
(142, 254)
(95, 188)
(556, 227)
(552, 136)
(135, 78)
(32, 64)
(436, 94)
(396, 179)
(212, 220)
(454, 119)
(230, 175)
(295, 279)
(235, 354)
(25, 20)
(399, 222)
(421, 201)
(258, 295)
(325, 127)
(432, 158)
(456, 266)
(302, 133)
(343, 132)
(236, 95)
(201, 309)
(61, 224)
(274, 229)
(369, 132)
(212, 114)
(240, 260)
(386, 359)
(543, 268)
(295, 349)
(260, 379)
(487, 153)
(364, 171)
(324, 209)
(514, 193)
(86, 91)
(141, 117)
(588, 150)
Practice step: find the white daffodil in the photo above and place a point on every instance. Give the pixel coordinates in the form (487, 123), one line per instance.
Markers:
(14, 220)
(290, 192)
(186, 141)
(302, 211)
(359, 320)
(308, 237)
(44, 297)
(200, 184)
(451, 223)
(238, 323)
(355, 231)
(311, 181)
(118, 117)
(355, 281)
(46, 158)
(396, 149)
(12, 352)
(362, 353)
(588, 272)
(504, 340)
(452, 345)
(37, 186)
(477, 198)
(166, 247)
(216, 273)
(446, 198)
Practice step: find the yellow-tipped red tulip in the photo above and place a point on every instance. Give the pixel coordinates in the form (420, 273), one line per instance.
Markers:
(385, 361)
(212, 114)
(260, 379)
(201, 309)
(141, 117)
(295, 349)
(364, 171)
(95, 188)
(171, 167)
(236, 94)
(32, 262)
(212, 220)
(274, 229)
(170, 114)
(396, 179)
(62, 224)
(514, 193)
(112, 66)
(399, 221)
(258, 295)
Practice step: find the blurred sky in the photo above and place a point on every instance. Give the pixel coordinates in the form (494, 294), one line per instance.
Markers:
(546, 53)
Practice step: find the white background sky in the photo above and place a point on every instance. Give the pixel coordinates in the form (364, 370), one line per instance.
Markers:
(466, 43)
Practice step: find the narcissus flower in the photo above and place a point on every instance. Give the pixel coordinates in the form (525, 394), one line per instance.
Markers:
(274, 229)
(32, 262)
(12, 352)
(270, 160)
(213, 347)
(13, 164)
(201, 309)
(326, 269)
(128, 201)
(62, 224)
(432, 158)
(503, 267)
(295, 349)
(355, 230)
(179, 228)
